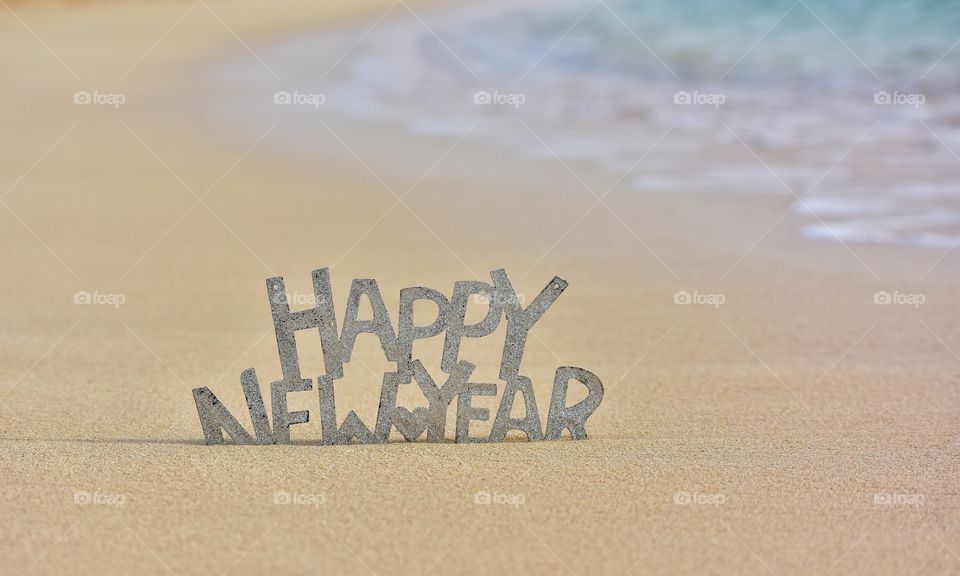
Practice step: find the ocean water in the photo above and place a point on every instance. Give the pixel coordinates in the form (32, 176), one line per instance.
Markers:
(704, 38)
(850, 108)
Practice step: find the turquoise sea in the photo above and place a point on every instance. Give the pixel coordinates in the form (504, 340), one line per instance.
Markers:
(852, 108)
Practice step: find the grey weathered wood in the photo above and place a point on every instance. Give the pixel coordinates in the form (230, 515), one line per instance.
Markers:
(501, 300)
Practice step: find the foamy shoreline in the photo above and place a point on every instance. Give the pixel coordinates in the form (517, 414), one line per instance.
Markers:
(744, 137)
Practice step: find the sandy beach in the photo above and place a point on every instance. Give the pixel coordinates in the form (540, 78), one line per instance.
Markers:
(798, 427)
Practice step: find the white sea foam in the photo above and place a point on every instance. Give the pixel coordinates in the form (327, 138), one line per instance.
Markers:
(797, 115)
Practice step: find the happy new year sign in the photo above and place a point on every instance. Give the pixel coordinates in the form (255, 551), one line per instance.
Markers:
(501, 301)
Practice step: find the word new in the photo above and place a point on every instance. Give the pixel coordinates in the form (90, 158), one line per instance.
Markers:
(500, 299)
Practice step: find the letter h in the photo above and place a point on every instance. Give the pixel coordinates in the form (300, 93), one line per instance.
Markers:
(321, 317)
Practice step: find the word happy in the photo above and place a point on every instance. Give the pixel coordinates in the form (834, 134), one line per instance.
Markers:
(501, 301)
